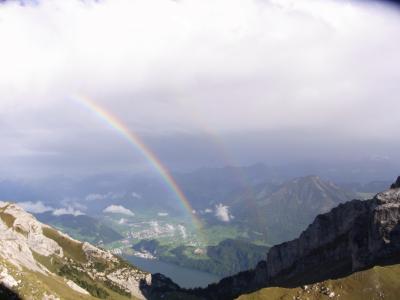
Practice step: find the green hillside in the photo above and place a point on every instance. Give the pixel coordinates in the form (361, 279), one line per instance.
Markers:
(373, 284)
(228, 257)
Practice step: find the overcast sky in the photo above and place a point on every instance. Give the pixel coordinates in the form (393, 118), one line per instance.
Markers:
(207, 82)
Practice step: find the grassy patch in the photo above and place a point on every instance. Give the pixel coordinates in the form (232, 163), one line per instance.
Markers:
(7, 219)
(83, 281)
(52, 263)
(369, 284)
(35, 285)
(72, 249)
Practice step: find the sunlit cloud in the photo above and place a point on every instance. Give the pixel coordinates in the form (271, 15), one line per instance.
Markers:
(118, 209)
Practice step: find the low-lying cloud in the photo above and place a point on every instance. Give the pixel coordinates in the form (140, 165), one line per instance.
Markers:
(39, 207)
(35, 207)
(222, 213)
(67, 211)
(118, 209)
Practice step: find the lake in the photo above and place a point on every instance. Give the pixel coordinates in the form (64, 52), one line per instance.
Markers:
(185, 277)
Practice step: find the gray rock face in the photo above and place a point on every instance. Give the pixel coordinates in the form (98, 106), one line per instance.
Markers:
(23, 239)
(351, 237)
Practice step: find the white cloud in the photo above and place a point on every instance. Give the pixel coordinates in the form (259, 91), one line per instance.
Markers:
(118, 209)
(67, 211)
(222, 213)
(294, 65)
(35, 207)
(136, 195)
(208, 210)
(292, 58)
(162, 214)
(73, 203)
(40, 207)
(109, 195)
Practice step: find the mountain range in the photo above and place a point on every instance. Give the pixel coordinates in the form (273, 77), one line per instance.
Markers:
(352, 237)
(349, 252)
(266, 213)
(281, 212)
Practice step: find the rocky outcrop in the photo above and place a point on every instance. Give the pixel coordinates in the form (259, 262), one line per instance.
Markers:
(28, 247)
(22, 235)
(396, 185)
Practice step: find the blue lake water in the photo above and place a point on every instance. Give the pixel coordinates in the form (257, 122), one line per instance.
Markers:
(185, 277)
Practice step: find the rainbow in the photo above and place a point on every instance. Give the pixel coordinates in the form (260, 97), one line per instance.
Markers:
(117, 125)
(224, 155)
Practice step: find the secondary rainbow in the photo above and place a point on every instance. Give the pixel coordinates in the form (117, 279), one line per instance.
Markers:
(116, 124)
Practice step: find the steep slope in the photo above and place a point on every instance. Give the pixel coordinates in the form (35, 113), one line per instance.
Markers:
(375, 283)
(352, 237)
(39, 262)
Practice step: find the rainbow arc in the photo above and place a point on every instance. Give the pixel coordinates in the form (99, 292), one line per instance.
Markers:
(116, 124)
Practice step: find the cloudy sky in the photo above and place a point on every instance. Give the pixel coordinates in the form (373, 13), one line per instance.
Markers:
(203, 83)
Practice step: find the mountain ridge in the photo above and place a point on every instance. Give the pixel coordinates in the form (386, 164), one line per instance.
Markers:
(40, 262)
(282, 212)
(352, 237)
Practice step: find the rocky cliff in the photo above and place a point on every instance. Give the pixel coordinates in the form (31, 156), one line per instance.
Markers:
(396, 185)
(353, 236)
(39, 262)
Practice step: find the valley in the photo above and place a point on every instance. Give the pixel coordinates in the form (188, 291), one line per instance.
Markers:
(333, 258)
(239, 224)
(253, 222)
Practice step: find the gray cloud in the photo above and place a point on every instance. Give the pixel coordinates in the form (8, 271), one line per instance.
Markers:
(196, 79)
